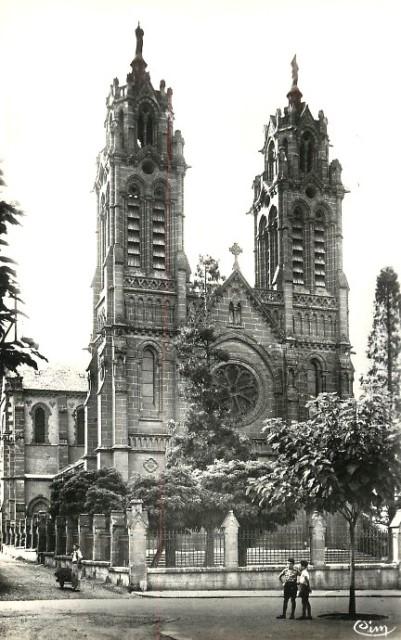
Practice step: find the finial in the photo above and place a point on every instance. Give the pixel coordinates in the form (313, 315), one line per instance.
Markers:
(139, 40)
(236, 251)
(295, 69)
(294, 95)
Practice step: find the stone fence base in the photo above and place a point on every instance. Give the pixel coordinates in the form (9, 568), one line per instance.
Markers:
(330, 577)
(29, 555)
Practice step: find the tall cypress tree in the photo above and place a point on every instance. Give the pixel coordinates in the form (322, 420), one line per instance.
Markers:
(384, 342)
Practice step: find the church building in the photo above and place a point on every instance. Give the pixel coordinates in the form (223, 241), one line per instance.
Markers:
(287, 335)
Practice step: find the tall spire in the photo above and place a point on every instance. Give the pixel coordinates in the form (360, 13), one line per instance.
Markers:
(138, 64)
(294, 95)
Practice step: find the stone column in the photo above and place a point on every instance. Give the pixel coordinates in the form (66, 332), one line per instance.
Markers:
(137, 532)
(395, 528)
(317, 532)
(17, 534)
(23, 533)
(50, 545)
(27, 533)
(35, 521)
(99, 530)
(230, 526)
(41, 546)
(12, 528)
(60, 526)
(85, 535)
(117, 527)
(70, 527)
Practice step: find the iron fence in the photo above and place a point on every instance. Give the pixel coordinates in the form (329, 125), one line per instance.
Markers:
(371, 544)
(259, 547)
(122, 557)
(185, 549)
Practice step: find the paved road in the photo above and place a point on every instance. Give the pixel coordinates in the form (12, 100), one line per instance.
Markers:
(105, 616)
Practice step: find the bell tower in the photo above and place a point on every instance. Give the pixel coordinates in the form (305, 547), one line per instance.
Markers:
(297, 211)
(141, 274)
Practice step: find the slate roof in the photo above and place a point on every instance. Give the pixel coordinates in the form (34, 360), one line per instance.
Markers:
(54, 378)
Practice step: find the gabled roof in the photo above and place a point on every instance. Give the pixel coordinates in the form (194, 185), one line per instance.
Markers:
(236, 276)
(54, 378)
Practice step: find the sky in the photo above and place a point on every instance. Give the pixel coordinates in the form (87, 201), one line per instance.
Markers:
(228, 63)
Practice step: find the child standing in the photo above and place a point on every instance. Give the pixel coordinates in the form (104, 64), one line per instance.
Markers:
(304, 591)
(288, 577)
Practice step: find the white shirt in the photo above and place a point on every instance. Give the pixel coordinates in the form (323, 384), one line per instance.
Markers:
(304, 578)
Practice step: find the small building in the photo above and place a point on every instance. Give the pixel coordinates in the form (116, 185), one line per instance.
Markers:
(42, 421)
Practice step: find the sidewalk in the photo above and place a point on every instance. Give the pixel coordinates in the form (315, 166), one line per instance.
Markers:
(379, 593)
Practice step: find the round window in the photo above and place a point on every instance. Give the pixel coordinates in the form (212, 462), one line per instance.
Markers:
(242, 388)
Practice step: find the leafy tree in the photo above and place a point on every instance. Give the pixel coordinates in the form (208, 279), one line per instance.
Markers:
(345, 459)
(209, 431)
(87, 492)
(14, 351)
(384, 342)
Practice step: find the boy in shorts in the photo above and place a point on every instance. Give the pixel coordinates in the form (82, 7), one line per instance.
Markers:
(288, 577)
(304, 591)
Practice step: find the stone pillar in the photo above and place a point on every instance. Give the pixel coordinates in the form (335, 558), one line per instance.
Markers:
(230, 526)
(35, 521)
(85, 535)
(60, 528)
(23, 533)
(41, 545)
(50, 546)
(99, 531)
(395, 528)
(70, 527)
(137, 532)
(117, 527)
(12, 536)
(317, 532)
(17, 534)
(27, 533)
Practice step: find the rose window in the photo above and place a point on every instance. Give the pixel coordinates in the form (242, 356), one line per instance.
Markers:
(242, 388)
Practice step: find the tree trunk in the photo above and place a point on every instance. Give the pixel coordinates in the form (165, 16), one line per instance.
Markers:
(352, 603)
(171, 546)
(209, 552)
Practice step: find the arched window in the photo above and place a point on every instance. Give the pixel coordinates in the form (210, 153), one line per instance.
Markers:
(148, 380)
(315, 378)
(306, 152)
(273, 246)
(262, 251)
(238, 313)
(231, 313)
(145, 126)
(159, 230)
(320, 250)
(134, 226)
(298, 247)
(80, 424)
(271, 159)
(39, 425)
(121, 128)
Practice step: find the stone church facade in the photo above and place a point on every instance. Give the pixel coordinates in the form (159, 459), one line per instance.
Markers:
(287, 336)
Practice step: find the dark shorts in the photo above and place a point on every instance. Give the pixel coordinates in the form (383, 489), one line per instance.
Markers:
(290, 590)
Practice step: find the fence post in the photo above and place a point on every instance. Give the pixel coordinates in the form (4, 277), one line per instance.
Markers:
(49, 533)
(60, 524)
(317, 530)
(395, 526)
(84, 528)
(117, 526)
(230, 526)
(41, 531)
(137, 531)
(27, 533)
(99, 528)
(69, 535)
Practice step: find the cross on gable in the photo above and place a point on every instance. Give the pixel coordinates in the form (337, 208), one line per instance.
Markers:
(236, 251)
